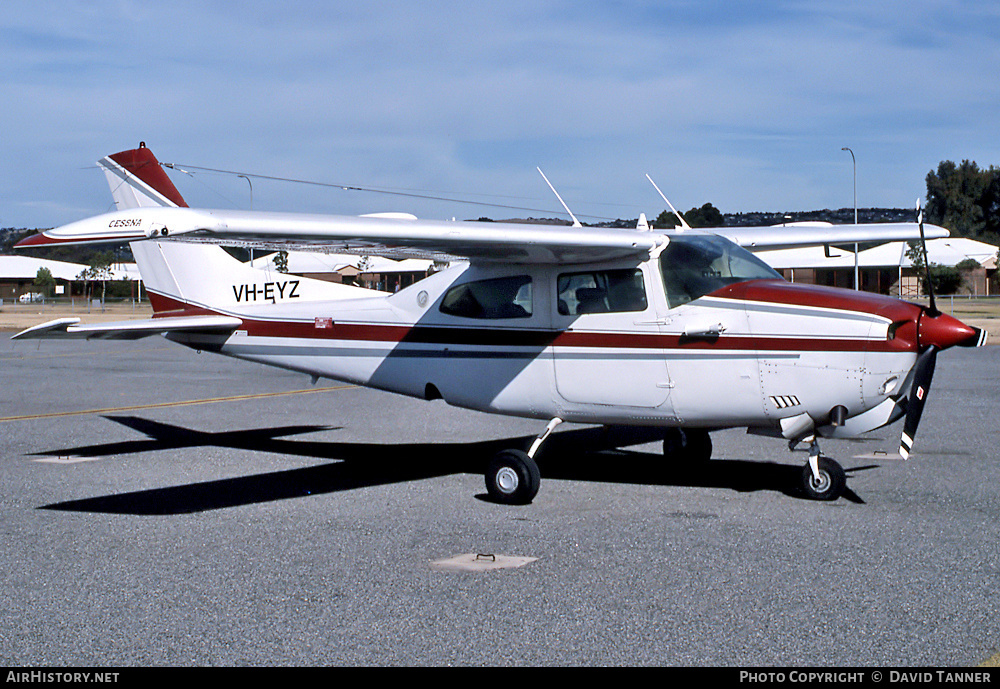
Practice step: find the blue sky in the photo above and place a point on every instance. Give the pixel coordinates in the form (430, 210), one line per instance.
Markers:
(745, 105)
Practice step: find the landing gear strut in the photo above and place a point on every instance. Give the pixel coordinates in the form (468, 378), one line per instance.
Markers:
(512, 477)
(689, 447)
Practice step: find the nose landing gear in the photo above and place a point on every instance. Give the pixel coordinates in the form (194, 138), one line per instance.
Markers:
(822, 478)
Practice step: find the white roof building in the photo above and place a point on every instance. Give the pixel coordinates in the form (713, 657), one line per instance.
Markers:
(26, 268)
(310, 263)
(947, 252)
(885, 268)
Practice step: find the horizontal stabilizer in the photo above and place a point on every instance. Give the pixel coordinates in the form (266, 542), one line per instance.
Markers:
(69, 328)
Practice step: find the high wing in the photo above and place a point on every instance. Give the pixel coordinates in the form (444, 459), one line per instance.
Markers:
(792, 236)
(150, 207)
(480, 241)
(377, 235)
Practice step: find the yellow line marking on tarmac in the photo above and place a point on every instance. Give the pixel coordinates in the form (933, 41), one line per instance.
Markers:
(23, 356)
(182, 403)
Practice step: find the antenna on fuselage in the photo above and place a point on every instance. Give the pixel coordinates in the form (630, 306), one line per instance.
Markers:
(576, 223)
(679, 216)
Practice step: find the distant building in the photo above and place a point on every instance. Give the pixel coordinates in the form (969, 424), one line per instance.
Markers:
(17, 276)
(886, 269)
(373, 272)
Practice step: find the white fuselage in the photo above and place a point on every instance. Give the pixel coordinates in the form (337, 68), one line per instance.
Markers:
(751, 354)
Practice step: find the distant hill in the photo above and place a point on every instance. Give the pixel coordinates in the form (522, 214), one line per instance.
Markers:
(843, 216)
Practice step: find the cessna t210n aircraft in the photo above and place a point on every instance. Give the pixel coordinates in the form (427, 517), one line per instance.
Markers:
(686, 331)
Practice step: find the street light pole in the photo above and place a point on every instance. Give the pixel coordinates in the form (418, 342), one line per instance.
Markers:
(251, 208)
(855, 164)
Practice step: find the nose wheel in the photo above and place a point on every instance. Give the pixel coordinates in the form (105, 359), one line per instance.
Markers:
(824, 481)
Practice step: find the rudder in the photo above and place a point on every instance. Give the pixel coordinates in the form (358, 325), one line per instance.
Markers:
(138, 181)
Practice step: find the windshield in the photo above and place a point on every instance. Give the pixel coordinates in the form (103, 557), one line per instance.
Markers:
(695, 265)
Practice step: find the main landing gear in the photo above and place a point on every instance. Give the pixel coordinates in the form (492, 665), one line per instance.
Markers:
(822, 478)
(688, 447)
(512, 477)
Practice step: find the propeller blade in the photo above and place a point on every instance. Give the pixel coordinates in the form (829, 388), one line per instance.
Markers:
(927, 264)
(923, 373)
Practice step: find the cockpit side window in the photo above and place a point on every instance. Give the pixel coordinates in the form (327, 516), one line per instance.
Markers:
(495, 298)
(695, 265)
(601, 291)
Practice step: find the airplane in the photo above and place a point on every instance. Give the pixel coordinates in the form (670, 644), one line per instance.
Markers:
(682, 331)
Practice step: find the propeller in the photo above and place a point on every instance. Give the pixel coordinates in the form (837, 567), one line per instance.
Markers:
(923, 372)
(932, 309)
(935, 331)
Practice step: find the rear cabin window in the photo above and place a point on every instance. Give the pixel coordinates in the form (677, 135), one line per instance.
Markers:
(601, 291)
(507, 297)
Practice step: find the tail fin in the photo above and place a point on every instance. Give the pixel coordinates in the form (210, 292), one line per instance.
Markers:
(137, 180)
(184, 278)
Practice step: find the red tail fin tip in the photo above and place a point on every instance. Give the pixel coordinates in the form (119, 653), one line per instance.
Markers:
(137, 180)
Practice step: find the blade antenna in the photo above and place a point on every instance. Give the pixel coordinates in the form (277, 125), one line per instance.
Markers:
(663, 196)
(932, 311)
(576, 223)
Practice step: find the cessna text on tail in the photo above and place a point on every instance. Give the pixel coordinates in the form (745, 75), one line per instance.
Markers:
(687, 331)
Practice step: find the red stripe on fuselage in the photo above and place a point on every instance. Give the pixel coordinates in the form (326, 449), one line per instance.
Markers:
(164, 307)
(506, 337)
(762, 290)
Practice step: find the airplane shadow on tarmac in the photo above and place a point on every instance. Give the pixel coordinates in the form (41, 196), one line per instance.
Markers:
(587, 454)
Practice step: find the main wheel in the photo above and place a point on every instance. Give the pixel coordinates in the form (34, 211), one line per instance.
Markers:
(831, 483)
(512, 478)
(690, 446)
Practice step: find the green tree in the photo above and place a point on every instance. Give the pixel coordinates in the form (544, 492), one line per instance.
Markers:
(965, 199)
(706, 216)
(98, 270)
(945, 279)
(666, 219)
(44, 279)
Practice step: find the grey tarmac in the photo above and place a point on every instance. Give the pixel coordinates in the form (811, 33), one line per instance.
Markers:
(164, 507)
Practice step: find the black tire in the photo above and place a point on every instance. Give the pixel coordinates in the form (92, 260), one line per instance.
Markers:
(688, 446)
(831, 484)
(512, 478)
